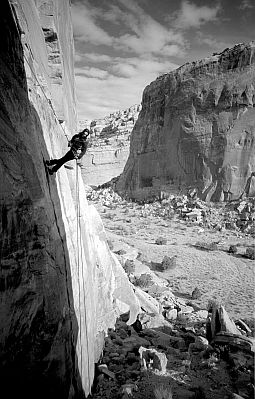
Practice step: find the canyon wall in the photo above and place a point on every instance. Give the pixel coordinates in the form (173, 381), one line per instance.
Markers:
(196, 130)
(109, 147)
(60, 286)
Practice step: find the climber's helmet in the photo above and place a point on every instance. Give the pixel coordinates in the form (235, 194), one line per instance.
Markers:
(85, 133)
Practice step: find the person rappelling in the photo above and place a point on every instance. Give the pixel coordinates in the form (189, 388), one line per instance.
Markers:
(78, 144)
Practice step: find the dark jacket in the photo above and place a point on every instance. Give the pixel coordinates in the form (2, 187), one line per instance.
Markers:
(79, 145)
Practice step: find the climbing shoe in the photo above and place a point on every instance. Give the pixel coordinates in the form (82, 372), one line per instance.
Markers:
(47, 163)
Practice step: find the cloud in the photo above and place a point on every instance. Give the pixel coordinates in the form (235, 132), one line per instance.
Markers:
(143, 34)
(85, 27)
(120, 88)
(91, 72)
(146, 34)
(125, 70)
(211, 41)
(122, 48)
(95, 57)
(78, 57)
(192, 16)
(246, 5)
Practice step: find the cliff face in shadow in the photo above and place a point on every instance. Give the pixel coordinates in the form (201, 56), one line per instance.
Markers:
(59, 283)
(196, 130)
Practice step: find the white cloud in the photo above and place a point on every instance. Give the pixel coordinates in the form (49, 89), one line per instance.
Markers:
(106, 82)
(125, 70)
(212, 42)
(78, 57)
(94, 57)
(147, 35)
(98, 97)
(144, 34)
(91, 72)
(193, 16)
(114, 15)
(85, 27)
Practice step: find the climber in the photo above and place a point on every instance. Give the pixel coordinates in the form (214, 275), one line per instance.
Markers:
(78, 144)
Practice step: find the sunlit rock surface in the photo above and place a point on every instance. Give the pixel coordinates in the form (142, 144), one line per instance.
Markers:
(196, 130)
(59, 283)
(110, 144)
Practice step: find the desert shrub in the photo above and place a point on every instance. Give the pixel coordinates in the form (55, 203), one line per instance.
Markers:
(144, 280)
(232, 249)
(196, 293)
(211, 246)
(167, 263)
(250, 253)
(160, 241)
(129, 266)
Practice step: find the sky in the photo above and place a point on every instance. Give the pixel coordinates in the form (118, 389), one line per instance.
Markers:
(121, 46)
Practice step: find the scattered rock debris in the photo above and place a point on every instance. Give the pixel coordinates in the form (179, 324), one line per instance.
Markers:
(177, 349)
(209, 356)
(236, 215)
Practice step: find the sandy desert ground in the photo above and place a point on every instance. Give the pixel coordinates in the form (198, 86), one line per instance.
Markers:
(219, 275)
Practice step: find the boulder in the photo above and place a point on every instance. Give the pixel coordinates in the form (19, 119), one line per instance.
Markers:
(147, 302)
(221, 322)
(152, 359)
(171, 314)
(199, 345)
(201, 315)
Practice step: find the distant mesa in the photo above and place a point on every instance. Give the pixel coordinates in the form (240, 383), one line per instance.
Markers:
(109, 146)
(196, 130)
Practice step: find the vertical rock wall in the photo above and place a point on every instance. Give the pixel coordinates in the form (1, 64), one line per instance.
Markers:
(103, 162)
(59, 283)
(197, 130)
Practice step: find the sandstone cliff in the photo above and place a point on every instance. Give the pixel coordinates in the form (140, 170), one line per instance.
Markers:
(60, 286)
(196, 130)
(109, 148)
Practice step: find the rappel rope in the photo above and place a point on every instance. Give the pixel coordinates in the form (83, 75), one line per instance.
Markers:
(79, 250)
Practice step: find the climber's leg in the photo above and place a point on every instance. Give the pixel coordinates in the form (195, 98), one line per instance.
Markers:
(59, 162)
(51, 162)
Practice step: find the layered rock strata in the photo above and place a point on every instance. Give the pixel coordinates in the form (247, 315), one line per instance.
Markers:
(196, 130)
(109, 148)
(60, 286)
